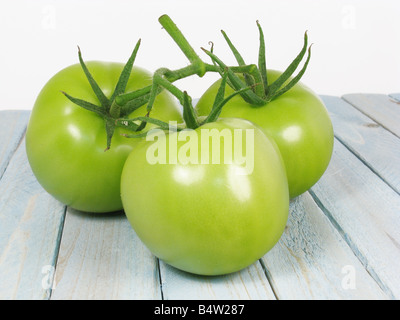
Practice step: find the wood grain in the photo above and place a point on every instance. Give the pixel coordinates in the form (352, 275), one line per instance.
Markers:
(365, 210)
(102, 258)
(12, 129)
(30, 228)
(311, 261)
(379, 107)
(250, 283)
(395, 96)
(378, 148)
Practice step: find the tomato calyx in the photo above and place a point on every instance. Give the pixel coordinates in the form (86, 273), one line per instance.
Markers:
(263, 92)
(108, 108)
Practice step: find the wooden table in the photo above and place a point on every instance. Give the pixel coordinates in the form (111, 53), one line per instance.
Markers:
(342, 239)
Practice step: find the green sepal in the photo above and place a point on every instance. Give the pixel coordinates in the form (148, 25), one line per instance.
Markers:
(237, 84)
(125, 74)
(86, 105)
(277, 84)
(262, 65)
(105, 103)
(216, 111)
(110, 128)
(189, 115)
(296, 79)
(248, 79)
(221, 91)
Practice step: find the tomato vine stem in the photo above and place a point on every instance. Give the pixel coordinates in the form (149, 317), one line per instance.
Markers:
(255, 76)
(190, 118)
(253, 86)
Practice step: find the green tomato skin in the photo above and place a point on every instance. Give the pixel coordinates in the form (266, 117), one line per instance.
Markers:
(298, 122)
(65, 143)
(205, 218)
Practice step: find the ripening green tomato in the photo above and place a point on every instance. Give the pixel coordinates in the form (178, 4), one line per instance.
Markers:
(298, 122)
(208, 201)
(66, 144)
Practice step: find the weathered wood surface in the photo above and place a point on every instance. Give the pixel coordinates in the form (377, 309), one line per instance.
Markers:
(30, 221)
(342, 239)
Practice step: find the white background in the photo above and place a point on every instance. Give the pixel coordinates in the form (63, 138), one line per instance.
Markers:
(356, 42)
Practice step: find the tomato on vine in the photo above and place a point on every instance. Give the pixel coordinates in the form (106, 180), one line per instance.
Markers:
(285, 109)
(208, 196)
(68, 133)
(297, 121)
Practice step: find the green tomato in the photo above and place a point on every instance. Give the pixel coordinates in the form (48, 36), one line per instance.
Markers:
(206, 216)
(66, 144)
(298, 122)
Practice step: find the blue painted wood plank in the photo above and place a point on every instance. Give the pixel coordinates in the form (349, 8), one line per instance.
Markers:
(114, 264)
(311, 260)
(101, 257)
(12, 129)
(378, 148)
(366, 212)
(379, 107)
(30, 228)
(349, 226)
(249, 283)
(395, 96)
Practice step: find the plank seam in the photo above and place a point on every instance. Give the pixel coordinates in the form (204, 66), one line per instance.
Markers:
(365, 162)
(369, 116)
(396, 100)
(57, 251)
(351, 245)
(160, 278)
(269, 278)
(13, 151)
